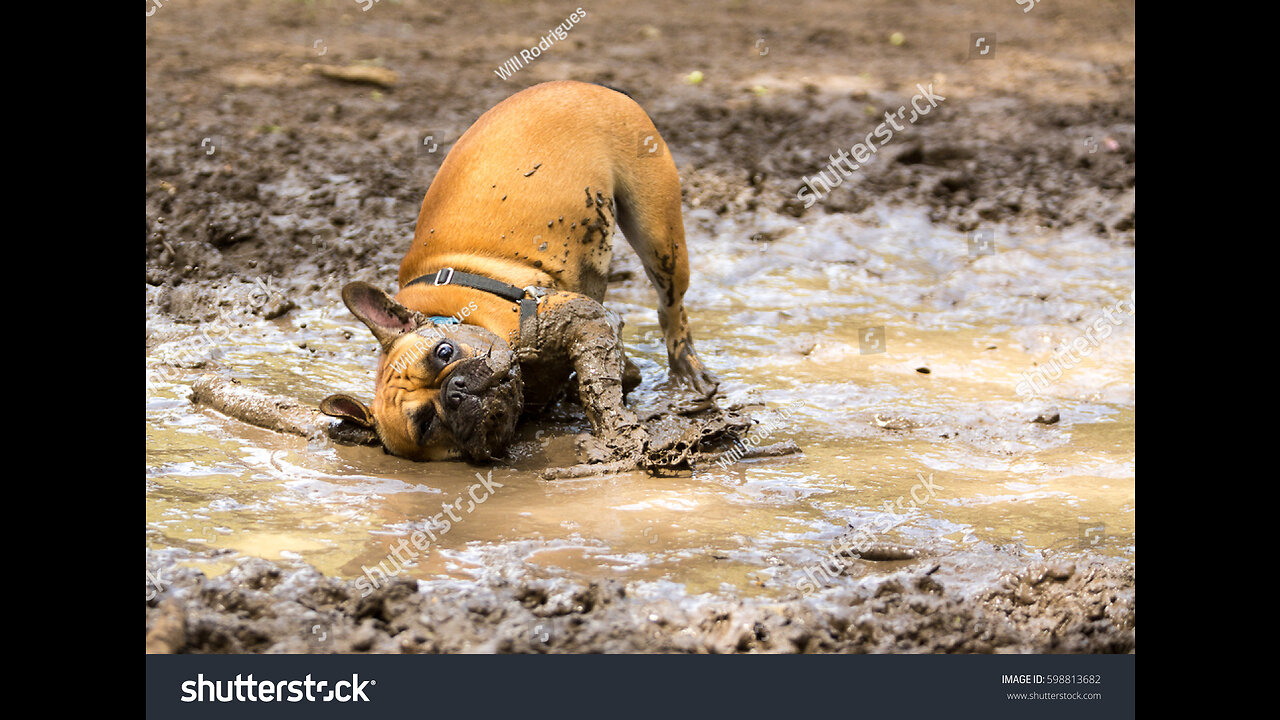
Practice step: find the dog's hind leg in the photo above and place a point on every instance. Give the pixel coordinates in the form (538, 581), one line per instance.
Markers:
(649, 214)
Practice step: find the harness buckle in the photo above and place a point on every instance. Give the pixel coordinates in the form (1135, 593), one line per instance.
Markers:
(537, 293)
(448, 278)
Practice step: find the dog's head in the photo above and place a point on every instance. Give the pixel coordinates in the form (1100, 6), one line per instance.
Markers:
(443, 391)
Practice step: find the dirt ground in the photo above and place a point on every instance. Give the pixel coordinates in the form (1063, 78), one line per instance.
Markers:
(257, 166)
(259, 606)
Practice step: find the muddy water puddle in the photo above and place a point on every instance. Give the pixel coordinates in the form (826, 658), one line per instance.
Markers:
(891, 355)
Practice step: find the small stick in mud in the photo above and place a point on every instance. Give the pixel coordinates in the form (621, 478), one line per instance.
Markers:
(274, 412)
(888, 552)
(360, 74)
(589, 470)
(694, 459)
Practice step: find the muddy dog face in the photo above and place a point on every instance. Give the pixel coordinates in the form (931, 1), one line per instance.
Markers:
(443, 391)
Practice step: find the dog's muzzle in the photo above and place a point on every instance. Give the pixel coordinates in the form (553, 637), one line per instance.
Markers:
(483, 398)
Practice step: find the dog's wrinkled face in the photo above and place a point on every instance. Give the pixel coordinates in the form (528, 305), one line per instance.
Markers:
(443, 391)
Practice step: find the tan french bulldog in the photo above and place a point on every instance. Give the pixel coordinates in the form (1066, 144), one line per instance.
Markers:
(500, 294)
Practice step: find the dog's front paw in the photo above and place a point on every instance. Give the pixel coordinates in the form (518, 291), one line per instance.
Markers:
(593, 451)
(632, 443)
(628, 445)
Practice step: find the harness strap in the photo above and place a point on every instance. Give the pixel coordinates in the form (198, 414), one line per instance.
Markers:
(528, 341)
(449, 276)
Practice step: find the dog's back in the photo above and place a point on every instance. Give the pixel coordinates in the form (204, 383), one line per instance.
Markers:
(529, 190)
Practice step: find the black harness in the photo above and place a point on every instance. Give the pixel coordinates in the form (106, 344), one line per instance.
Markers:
(526, 298)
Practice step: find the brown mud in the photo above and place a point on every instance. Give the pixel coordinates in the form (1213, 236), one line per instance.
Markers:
(272, 181)
(258, 606)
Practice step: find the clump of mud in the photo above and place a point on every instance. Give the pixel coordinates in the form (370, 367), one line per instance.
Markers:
(1085, 605)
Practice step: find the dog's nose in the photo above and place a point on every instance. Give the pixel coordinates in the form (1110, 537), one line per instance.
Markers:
(454, 389)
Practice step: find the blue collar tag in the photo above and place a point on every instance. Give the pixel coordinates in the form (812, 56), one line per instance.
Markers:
(441, 320)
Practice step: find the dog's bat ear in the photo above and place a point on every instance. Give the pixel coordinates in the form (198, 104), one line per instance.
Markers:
(347, 408)
(387, 318)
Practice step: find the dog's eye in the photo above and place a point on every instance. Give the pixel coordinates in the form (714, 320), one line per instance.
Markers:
(444, 351)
